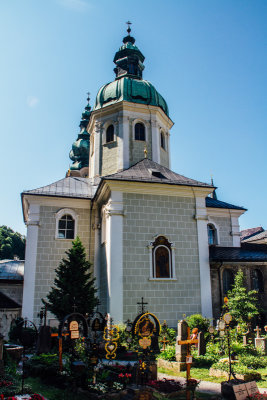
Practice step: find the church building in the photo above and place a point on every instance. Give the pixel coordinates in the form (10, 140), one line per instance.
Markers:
(149, 231)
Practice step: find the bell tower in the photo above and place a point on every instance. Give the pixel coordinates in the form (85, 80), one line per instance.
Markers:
(130, 119)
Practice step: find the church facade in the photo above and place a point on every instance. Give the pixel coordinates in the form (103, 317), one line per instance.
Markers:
(148, 231)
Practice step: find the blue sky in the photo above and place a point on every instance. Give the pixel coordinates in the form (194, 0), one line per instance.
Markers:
(206, 57)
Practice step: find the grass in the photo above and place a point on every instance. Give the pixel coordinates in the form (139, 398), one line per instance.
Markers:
(51, 392)
(196, 373)
(203, 374)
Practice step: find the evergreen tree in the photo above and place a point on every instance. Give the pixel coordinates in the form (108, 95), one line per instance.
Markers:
(241, 303)
(73, 284)
(11, 244)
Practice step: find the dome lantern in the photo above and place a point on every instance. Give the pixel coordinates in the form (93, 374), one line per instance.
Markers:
(129, 59)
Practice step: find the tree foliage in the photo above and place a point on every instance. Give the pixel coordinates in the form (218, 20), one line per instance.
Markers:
(242, 304)
(73, 284)
(11, 244)
(198, 321)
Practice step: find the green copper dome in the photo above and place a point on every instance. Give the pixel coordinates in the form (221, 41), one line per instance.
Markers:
(129, 84)
(132, 90)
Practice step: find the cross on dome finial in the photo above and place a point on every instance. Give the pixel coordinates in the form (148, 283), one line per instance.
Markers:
(129, 27)
(88, 96)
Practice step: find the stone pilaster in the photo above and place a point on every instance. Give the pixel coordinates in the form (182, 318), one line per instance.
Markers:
(30, 261)
(203, 251)
(114, 254)
(155, 141)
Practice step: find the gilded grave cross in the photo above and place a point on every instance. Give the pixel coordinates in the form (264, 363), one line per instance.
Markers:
(164, 341)
(189, 341)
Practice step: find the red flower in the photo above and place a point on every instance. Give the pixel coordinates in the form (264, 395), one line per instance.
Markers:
(121, 375)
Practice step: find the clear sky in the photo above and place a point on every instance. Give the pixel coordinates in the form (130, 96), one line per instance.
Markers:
(206, 57)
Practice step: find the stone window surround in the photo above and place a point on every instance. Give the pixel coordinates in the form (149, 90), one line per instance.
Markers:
(104, 132)
(162, 133)
(59, 214)
(140, 121)
(151, 261)
(217, 231)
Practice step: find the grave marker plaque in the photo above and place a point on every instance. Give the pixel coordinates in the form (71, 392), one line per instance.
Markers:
(252, 388)
(240, 391)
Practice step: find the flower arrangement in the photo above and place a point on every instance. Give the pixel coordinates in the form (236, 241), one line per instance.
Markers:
(34, 396)
(165, 385)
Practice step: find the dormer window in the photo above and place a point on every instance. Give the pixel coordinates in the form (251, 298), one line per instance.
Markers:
(157, 174)
(139, 132)
(110, 134)
(212, 235)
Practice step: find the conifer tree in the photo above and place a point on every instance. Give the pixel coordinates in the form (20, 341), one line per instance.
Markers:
(241, 303)
(73, 284)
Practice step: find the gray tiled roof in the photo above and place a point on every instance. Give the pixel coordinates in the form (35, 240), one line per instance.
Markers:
(210, 202)
(8, 303)
(258, 236)
(75, 187)
(143, 172)
(247, 233)
(11, 270)
(247, 252)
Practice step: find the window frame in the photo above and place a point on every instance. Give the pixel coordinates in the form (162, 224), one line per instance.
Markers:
(59, 215)
(153, 246)
(163, 141)
(227, 270)
(106, 134)
(217, 234)
(260, 280)
(144, 125)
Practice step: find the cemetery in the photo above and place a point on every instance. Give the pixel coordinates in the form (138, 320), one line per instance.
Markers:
(90, 357)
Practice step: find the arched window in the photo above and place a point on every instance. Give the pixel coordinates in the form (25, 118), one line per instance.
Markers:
(162, 258)
(66, 224)
(110, 134)
(212, 234)
(228, 280)
(257, 280)
(66, 227)
(162, 141)
(139, 131)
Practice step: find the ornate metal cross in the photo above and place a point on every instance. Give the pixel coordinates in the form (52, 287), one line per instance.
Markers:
(142, 304)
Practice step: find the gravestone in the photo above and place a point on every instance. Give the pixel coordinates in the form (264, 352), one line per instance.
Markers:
(181, 349)
(44, 340)
(260, 342)
(201, 347)
(248, 337)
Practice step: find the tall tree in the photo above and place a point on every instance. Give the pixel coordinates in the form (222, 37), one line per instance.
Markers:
(11, 244)
(242, 304)
(73, 284)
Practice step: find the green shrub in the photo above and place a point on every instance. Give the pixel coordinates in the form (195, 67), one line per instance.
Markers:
(198, 321)
(254, 362)
(43, 365)
(205, 361)
(168, 354)
(238, 369)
